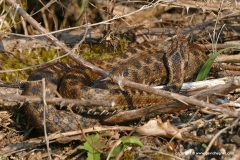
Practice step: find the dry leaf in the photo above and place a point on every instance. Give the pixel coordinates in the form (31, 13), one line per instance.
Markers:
(155, 127)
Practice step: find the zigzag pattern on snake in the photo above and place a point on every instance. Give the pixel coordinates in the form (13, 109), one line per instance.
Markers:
(156, 63)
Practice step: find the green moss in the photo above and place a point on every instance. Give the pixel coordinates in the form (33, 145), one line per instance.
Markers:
(105, 50)
(20, 60)
(127, 155)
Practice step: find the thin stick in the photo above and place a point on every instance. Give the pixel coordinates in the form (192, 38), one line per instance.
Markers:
(44, 118)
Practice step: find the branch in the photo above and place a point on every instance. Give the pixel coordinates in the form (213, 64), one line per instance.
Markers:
(210, 6)
(16, 99)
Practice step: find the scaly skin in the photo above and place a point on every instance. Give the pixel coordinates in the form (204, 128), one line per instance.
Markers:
(169, 63)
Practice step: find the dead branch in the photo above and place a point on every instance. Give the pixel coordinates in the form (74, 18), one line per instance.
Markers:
(221, 89)
(181, 98)
(230, 58)
(18, 42)
(11, 100)
(209, 6)
(10, 97)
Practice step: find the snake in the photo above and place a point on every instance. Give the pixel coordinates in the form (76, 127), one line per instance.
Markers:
(154, 63)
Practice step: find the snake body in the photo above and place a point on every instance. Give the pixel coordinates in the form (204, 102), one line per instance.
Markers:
(153, 63)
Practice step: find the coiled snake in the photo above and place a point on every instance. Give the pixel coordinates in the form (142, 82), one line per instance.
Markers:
(169, 63)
